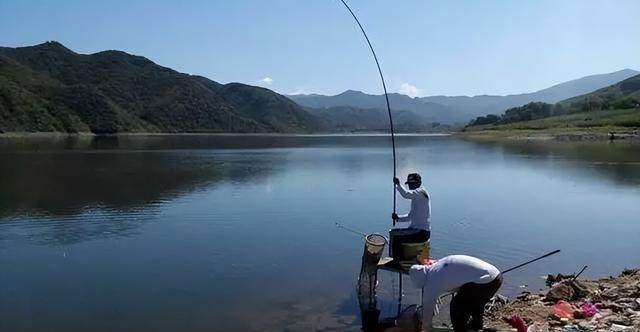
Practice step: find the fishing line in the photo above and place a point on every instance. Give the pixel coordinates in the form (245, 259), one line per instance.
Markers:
(339, 225)
(386, 97)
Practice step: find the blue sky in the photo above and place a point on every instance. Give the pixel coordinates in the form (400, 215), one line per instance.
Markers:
(313, 46)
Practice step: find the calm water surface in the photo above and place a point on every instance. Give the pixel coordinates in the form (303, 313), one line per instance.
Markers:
(228, 233)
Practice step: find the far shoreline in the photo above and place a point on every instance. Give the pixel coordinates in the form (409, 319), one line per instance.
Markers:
(569, 135)
(133, 134)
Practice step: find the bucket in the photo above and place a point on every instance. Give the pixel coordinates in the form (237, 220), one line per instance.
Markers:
(415, 251)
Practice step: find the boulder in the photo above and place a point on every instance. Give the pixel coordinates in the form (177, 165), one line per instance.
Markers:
(560, 292)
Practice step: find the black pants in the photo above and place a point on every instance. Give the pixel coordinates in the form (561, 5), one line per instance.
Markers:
(406, 235)
(467, 305)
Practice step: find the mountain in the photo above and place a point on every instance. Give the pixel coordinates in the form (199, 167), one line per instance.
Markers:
(624, 95)
(48, 87)
(350, 119)
(450, 109)
(433, 111)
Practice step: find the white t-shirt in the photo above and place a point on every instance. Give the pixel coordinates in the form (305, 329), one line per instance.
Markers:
(446, 275)
(420, 213)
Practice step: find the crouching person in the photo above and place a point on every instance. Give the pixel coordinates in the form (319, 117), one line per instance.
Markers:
(473, 280)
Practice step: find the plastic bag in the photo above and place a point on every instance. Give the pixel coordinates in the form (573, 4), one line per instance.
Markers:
(589, 309)
(563, 309)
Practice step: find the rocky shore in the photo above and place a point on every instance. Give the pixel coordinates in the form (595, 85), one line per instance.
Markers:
(571, 304)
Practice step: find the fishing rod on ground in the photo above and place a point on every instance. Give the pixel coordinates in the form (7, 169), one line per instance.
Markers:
(386, 97)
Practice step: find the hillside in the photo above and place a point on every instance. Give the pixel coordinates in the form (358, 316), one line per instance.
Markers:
(624, 95)
(48, 88)
(451, 109)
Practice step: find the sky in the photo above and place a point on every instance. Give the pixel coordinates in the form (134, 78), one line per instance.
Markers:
(313, 46)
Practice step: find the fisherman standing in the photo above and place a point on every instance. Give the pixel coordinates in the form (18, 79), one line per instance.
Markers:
(473, 280)
(419, 217)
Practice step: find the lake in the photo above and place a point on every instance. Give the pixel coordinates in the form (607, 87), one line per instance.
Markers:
(237, 233)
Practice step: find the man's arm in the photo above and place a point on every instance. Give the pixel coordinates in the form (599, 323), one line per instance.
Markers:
(400, 218)
(403, 218)
(409, 194)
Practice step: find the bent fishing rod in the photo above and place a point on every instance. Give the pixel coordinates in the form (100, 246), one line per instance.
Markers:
(386, 97)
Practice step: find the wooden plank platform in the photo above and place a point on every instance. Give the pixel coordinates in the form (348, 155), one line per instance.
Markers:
(389, 264)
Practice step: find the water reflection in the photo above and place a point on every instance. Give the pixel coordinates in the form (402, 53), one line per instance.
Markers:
(617, 161)
(206, 231)
(62, 175)
(65, 184)
(60, 183)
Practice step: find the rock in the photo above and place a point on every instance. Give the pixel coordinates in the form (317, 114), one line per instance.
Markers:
(587, 325)
(501, 299)
(551, 279)
(523, 295)
(618, 327)
(560, 292)
(610, 293)
(579, 289)
(538, 327)
(615, 307)
(616, 319)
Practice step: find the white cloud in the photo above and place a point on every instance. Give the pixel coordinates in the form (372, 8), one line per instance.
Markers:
(409, 90)
(267, 81)
(299, 91)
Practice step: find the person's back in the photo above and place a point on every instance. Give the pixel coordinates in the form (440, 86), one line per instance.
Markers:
(474, 280)
(451, 272)
(419, 216)
(420, 213)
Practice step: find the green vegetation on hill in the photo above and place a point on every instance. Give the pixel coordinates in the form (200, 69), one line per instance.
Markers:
(616, 105)
(629, 118)
(623, 95)
(354, 119)
(49, 88)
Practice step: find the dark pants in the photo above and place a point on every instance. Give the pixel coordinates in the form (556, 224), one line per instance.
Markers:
(406, 235)
(467, 305)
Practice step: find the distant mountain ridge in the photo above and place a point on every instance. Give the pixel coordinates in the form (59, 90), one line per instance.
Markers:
(448, 109)
(352, 98)
(354, 119)
(48, 87)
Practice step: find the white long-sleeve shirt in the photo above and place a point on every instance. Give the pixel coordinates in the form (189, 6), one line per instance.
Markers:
(447, 275)
(420, 214)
